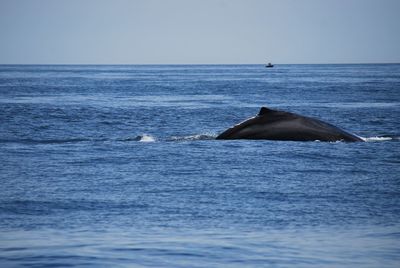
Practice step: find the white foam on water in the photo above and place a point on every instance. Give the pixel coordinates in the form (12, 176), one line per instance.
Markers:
(376, 139)
(146, 138)
(197, 137)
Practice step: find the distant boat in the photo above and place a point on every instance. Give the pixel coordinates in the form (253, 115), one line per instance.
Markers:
(269, 65)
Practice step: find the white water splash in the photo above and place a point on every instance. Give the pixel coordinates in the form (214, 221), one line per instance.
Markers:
(146, 138)
(376, 139)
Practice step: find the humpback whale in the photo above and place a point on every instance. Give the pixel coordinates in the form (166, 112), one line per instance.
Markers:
(272, 124)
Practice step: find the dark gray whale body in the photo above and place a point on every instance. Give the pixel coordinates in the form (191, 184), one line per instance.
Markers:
(279, 125)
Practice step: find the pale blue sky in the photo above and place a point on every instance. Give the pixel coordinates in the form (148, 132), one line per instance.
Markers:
(202, 31)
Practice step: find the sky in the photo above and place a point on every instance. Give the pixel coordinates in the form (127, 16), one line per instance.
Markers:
(199, 31)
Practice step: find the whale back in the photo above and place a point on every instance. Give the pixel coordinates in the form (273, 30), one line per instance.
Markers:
(272, 124)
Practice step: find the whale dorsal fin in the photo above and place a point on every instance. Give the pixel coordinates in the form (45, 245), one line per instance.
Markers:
(264, 111)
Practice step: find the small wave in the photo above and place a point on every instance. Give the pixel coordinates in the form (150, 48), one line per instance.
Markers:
(139, 138)
(193, 137)
(47, 141)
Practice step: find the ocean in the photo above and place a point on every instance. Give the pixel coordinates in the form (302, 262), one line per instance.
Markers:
(118, 166)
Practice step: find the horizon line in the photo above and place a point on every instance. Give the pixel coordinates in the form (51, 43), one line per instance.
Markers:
(176, 64)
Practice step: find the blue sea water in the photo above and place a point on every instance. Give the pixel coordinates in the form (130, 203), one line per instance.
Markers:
(118, 166)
